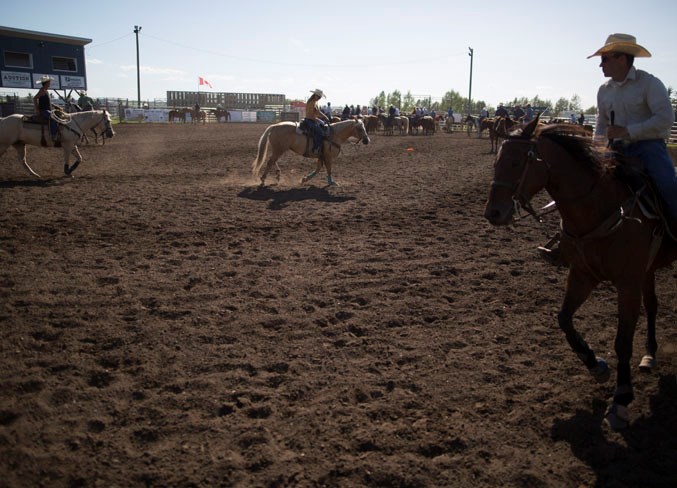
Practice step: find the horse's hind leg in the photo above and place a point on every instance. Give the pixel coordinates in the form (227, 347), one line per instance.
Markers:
(272, 160)
(21, 156)
(651, 307)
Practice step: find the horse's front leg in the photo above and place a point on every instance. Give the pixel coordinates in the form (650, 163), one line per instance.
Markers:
(68, 170)
(629, 299)
(579, 287)
(651, 307)
(330, 179)
(312, 174)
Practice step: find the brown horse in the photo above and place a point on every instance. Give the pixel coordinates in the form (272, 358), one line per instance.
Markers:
(499, 130)
(283, 136)
(177, 115)
(605, 237)
(220, 113)
(473, 122)
(428, 125)
(370, 123)
(197, 116)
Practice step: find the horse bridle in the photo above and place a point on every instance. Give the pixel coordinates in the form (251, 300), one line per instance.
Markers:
(518, 198)
(103, 117)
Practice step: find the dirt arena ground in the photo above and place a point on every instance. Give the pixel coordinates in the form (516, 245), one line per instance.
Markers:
(164, 322)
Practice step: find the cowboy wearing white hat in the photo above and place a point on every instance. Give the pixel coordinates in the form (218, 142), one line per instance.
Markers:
(43, 107)
(314, 123)
(45, 79)
(633, 109)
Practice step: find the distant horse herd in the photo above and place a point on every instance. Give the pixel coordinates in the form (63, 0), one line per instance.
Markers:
(197, 116)
(500, 128)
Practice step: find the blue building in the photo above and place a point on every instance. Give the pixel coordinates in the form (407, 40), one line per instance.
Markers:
(25, 56)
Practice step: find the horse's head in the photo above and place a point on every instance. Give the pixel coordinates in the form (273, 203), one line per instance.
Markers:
(518, 175)
(360, 132)
(107, 127)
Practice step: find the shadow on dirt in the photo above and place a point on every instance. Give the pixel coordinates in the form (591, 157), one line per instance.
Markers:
(279, 199)
(647, 457)
(33, 183)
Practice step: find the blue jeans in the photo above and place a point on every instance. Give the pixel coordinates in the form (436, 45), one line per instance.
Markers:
(316, 129)
(659, 167)
(47, 114)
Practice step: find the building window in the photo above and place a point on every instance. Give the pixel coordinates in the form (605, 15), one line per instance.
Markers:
(18, 60)
(64, 64)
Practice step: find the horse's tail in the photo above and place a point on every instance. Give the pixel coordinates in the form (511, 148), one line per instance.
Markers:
(257, 165)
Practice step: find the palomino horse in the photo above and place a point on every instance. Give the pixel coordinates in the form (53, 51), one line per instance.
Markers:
(15, 132)
(283, 136)
(605, 237)
(403, 123)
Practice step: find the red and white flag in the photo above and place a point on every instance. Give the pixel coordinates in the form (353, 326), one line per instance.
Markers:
(204, 82)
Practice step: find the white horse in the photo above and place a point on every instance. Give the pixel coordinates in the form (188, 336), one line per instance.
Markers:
(14, 131)
(283, 136)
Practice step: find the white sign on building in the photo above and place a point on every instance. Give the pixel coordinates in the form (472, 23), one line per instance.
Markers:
(16, 79)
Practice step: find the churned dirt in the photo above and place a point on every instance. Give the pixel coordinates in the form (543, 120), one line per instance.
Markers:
(165, 322)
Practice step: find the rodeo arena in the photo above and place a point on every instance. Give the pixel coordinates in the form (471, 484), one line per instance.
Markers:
(206, 291)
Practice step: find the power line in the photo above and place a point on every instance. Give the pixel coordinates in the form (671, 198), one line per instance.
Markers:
(94, 46)
(301, 65)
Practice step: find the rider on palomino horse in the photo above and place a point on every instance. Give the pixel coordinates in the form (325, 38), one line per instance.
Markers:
(315, 122)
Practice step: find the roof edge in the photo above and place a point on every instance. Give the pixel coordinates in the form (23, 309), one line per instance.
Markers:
(43, 36)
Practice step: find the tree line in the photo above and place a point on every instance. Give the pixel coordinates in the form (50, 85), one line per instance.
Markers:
(459, 104)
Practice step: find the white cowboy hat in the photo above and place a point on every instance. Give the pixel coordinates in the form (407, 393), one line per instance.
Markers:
(622, 43)
(45, 79)
(317, 92)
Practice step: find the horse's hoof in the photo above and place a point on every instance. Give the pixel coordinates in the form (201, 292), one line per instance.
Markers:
(601, 372)
(648, 363)
(617, 417)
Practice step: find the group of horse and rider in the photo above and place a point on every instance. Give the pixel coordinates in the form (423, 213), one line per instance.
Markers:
(616, 193)
(63, 129)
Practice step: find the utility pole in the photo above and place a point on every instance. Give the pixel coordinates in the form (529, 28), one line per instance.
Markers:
(470, 53)
(137, 29)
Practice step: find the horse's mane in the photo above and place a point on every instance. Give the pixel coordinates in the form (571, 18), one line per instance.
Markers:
(577, 142)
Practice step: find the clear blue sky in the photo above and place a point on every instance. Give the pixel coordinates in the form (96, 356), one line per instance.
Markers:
(355, 49)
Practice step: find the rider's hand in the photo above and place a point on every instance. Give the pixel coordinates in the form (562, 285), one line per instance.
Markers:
(617, 132)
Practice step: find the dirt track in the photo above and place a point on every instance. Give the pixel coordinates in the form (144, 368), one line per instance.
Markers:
(165, 322)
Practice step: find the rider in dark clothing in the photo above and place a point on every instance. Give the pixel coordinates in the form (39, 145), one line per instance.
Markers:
(345, 115)
(517, 113)
(501, 111)
(391, 116)
(43, 106)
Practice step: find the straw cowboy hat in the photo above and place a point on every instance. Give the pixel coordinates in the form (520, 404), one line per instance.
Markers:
(622, 43)
(317, 92)
(45, 79)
